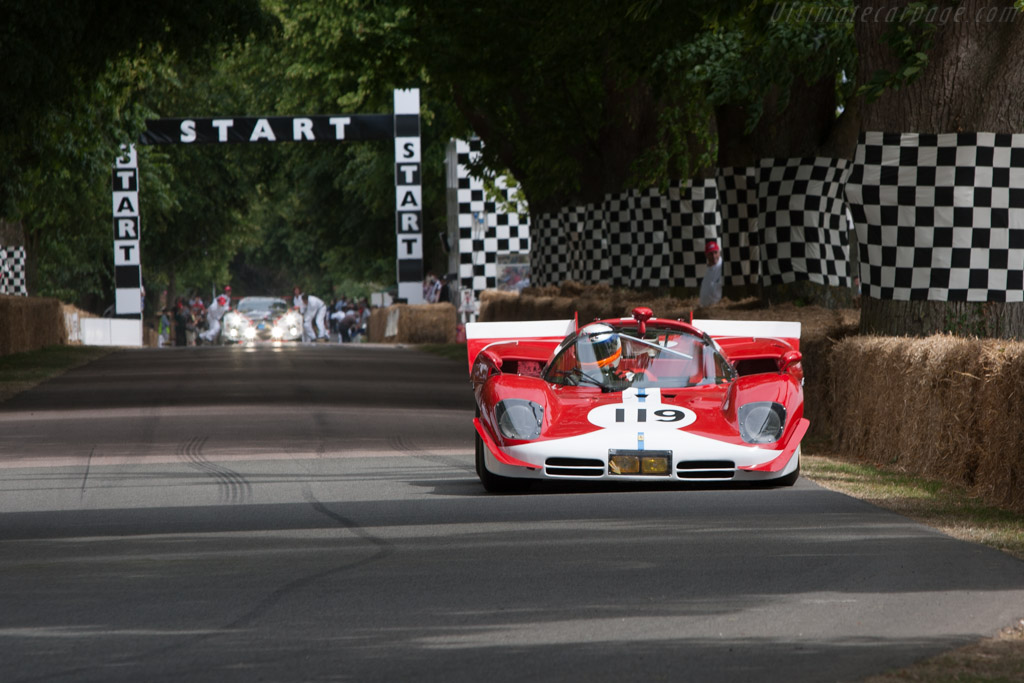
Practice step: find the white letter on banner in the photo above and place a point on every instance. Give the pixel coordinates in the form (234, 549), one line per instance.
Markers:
(222, 126)
(125, 176)
(409, 171)
(407, 149)
(188, 131)
(339, 123)
(127, 228)
(302, 129)
(262, 130)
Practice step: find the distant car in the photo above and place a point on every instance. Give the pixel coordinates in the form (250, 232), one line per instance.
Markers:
(637, 399)
(261, 318)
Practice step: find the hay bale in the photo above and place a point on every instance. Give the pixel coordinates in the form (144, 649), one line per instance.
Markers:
(414, 324)
(496, 305)
(1000, 467)
(942, 407)
(30, 323)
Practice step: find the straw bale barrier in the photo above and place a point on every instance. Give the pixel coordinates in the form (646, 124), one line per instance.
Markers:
(413, 324)
(30, 323)
(944, 407)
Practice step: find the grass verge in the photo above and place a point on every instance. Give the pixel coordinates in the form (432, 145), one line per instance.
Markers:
(952, 511)
(21, 371)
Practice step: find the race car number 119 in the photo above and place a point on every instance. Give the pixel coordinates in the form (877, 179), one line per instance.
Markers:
(647, 415)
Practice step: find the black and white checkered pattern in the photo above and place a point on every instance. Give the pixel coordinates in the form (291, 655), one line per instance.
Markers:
(650, 241)
(940, 217)
(12, 271)
(737, 201)
(549, 257)
(642, 240)
(802, 224)
(488, 225)
(694, 219)
(617, 214)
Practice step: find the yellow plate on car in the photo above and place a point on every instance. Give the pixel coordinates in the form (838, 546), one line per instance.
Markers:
(657, 465)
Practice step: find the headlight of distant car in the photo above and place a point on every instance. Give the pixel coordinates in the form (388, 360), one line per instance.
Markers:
(762, 422)
(519, 419)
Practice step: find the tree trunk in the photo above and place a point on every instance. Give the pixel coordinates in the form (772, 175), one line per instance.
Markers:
(806, 128)
(973, 82)
(922, 318)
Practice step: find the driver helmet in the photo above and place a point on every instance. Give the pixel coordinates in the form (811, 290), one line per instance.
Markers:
(599, 345)
(222, 300)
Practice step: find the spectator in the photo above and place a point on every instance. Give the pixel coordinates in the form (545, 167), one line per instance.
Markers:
(164, 330)
(445, 293)
(431, 288)
(182, 319)
(711, 285)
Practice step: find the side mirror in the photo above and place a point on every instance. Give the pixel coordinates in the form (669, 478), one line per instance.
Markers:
(788, 359)
(642, 314)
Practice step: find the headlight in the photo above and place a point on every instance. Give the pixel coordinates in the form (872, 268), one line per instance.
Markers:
(762, 422)
(250, 333)
(519, 419)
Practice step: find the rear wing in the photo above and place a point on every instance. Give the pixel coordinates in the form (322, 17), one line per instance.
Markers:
(481, 335)
(788, 332)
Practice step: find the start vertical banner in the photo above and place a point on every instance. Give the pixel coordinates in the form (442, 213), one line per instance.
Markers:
(408, 196)
(127, 265)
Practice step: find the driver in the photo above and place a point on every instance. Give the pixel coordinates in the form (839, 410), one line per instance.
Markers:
(599, 350)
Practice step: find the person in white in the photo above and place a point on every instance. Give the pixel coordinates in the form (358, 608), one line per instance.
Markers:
(314, 310)
(711, 285)
(214, 313)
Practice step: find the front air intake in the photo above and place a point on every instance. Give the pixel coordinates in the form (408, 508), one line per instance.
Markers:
(574, 467)
(704, 470)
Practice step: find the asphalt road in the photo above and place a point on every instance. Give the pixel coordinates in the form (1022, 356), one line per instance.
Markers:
(311, 514)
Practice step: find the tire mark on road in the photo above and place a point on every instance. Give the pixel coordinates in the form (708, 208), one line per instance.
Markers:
(85, 476)
(402, 445)
(382, 550)
(234, 488)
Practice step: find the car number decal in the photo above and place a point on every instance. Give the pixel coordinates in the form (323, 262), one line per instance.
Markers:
(646, 415)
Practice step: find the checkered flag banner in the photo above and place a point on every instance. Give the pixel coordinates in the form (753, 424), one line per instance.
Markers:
(489, 226)
(694, 219)
(737, 201)
(639, 239)
(617, 215)
(940, 217)
(12, 271)
(802, 221)
(549, 258)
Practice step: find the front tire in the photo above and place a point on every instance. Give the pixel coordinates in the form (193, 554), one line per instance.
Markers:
(494, 483)
(789, 479)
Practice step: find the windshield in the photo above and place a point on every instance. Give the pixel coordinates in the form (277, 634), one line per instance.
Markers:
(251, 304)
(615, 358)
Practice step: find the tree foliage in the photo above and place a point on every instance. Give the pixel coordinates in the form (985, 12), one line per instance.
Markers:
(576, 98)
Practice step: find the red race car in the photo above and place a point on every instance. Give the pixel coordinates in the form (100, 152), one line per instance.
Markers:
(637, 399)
